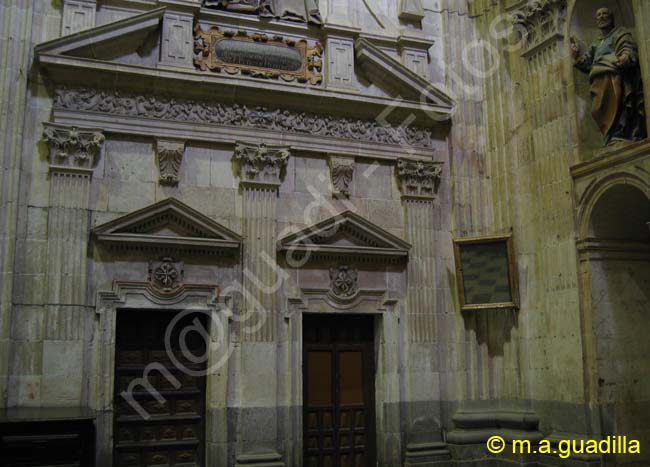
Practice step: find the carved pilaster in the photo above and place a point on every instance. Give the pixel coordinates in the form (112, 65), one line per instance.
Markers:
(540, 24)
(169, 156)
(342, 172)
(261, 169)
(72, 147)
(261, 164)
(177, 39)
(73, 152)
(418, 179)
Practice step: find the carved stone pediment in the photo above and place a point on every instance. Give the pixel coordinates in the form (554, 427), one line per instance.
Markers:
(393, 76)
(346, 235)
(169, 226)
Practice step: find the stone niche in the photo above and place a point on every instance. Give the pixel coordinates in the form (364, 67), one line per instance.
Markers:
(582, 26)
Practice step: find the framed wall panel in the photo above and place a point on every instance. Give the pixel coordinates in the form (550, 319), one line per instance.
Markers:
(486, 273)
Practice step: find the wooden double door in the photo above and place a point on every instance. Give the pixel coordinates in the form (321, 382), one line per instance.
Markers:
(148, 431)
(338, 384)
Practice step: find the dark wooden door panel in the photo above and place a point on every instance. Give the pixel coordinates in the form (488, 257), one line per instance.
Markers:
(173, 431)
(338, 391)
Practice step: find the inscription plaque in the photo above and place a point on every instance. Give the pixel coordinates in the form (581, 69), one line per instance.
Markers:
(257, 55)
(260, 55)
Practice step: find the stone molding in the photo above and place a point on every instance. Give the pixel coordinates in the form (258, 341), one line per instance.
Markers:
(539, 23)
(145, 230)
(342, 172)
(260, 164)
(169, 157)
(237, 115)
(346, 236)
(73, 147)
(418, 179)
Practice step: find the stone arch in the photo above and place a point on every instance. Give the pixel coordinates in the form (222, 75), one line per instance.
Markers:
(594, 194)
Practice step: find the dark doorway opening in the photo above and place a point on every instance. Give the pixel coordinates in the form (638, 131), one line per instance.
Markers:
(339, 391)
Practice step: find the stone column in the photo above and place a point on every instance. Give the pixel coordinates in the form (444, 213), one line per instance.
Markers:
(261, 170)
(73, 153)
(15, 34)
(418, 181)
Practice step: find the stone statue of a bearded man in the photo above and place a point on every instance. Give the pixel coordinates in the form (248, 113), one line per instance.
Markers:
(612, 63)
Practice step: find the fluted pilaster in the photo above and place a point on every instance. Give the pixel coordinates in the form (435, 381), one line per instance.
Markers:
(418, 182)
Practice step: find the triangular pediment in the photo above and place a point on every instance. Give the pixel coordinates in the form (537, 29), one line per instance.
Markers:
(106, 42)
(395, 78)
(168, 224)
(346, 234)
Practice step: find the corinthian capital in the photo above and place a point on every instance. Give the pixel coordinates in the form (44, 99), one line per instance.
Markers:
(419, 179)
(261, 164)
(71, 146)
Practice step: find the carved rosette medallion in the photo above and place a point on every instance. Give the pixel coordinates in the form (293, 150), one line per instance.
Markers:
(166, 275)
(258, 55)
(170, 155)
(343, 282)
(71, 146)
(418, 179)
(539, 22)
(261, 163)
(341, 171)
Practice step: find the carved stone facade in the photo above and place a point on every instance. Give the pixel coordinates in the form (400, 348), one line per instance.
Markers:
(298, 207)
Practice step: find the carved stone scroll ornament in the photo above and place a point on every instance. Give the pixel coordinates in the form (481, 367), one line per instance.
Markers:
(72, 147)
(166, 275)
(342, 171)
(539, 21)
(343, 282)
(419, 178)
(261, 163)
(257, 55)
(236, 115)
(170, 155)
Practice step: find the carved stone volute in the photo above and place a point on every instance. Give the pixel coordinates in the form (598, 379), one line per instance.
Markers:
(261, 164)
(71, 146)
(419, 179)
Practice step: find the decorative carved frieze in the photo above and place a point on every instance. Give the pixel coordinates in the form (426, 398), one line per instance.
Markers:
(71, 146)
(343, 281)
(342, 171)
(539, 22)
(235, 115)
(257, 55)
(166, 275)
(261, 163)
(170, 155)
(418, 178)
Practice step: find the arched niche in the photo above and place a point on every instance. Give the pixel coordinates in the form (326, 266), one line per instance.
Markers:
(618, 266)
(582, 26)
(621, 213)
